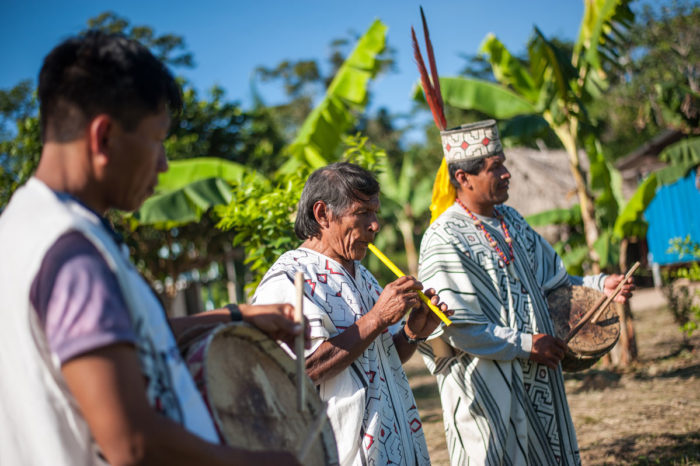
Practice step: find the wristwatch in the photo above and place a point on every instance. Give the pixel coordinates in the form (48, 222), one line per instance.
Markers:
(235, 313)
(413, 341)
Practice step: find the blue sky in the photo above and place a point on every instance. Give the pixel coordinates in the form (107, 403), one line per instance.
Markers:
(229, 39)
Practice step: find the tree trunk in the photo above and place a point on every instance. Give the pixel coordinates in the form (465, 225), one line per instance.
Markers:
(567, 135)
(628, 341)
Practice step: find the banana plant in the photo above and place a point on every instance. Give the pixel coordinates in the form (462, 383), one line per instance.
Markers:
(189, 188)
(321, 134)
(316, 144)
(681, 157)
(406, 198)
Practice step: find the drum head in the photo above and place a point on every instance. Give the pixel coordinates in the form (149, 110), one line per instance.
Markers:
(251, 389)
(566, 307)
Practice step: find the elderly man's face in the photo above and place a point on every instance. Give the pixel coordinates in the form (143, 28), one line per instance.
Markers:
(349, 234)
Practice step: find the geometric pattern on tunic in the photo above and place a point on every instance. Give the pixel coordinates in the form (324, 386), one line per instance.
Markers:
(497, 412)
(390, 431)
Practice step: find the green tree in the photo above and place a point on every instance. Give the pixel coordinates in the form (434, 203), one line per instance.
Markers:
(261, 213)
(20, 140)
(655, 84)
(211, 126)
(169, 48)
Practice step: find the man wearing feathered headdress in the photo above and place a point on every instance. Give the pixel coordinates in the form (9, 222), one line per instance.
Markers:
(498, 370)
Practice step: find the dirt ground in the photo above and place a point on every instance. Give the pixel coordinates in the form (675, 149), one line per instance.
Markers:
(645, 414)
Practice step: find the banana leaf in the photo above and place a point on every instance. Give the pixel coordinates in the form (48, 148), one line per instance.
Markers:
(322, 131)
(184, 205)
(606, 252)
(524, 126)
(560, 216)
(630, 222)
(474, 94)
(409, 188)
(574, 259)
(598, 25)
(553, 62)
(683, 156)
(684, 152)
(183, 172)
(189, 188)
(509, 70)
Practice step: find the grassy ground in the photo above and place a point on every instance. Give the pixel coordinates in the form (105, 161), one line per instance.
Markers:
(645, 414)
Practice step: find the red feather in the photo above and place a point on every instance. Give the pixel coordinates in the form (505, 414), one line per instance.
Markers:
(434, 102)
(433, 65)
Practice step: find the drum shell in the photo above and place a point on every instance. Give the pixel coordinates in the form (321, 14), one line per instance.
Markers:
(249, 385)
(566, 307)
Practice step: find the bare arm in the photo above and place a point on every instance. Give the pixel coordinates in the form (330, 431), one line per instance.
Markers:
(276, 320)
(337, 353)
(421, 323)
(108, 385)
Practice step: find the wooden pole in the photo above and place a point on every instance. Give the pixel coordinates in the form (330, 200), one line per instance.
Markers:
(314, 430)
(299, 341)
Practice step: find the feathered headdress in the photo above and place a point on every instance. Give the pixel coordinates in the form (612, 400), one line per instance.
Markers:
(443, 192)
(467, 142)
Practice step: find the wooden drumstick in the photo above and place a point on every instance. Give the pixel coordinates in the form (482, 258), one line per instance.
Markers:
(299, 340)
(314, 430)
(597, 310)
(629, 273)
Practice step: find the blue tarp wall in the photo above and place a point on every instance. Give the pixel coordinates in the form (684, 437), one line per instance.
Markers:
(673, 213)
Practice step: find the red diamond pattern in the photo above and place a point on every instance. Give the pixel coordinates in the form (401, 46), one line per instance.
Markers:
(448, 147)
(312, 284)
(465, 144)
(333, 272)
(369, 440)
(486, 141)
(415, 425)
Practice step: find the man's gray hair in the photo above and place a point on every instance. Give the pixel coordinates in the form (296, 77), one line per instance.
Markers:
(338, 185)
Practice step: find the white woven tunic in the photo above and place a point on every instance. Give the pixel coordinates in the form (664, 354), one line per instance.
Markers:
(42, 422)
(498, 407)
(370, 404)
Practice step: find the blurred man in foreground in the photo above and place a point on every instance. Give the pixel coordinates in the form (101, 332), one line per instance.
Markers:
(89, 369)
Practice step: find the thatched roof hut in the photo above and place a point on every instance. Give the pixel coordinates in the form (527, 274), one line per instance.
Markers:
(541, 180)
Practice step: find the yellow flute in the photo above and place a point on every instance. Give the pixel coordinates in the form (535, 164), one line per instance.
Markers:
(399, 273)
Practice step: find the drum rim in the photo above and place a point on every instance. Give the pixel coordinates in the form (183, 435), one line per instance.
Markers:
(585, 356)
(288, 365)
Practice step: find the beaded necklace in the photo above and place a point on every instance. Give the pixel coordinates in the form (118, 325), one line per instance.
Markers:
(479, 225)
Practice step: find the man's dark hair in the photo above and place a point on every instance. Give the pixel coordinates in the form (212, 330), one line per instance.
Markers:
(101, 73)
(338, 185)
(471, 166)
